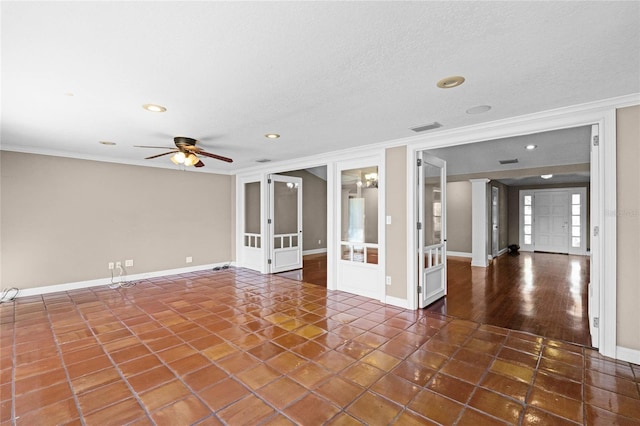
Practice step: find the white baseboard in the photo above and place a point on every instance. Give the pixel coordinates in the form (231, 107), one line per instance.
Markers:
(629, 355)
(314, 251)
(35, 291)
(458, 254)
(396, 301)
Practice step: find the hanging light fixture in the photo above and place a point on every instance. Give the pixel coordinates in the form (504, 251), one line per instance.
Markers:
(178, 158)
(190, 160)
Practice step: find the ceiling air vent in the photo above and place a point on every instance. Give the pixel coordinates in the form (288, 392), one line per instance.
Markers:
(515, 160)
(263, 160)
(426, 127)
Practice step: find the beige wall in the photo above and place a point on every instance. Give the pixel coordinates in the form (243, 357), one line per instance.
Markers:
(459, 216)
(396, 232)
(314, 210)
(628, 223)
(64, 219)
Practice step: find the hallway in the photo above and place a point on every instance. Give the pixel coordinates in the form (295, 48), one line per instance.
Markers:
(540, 293)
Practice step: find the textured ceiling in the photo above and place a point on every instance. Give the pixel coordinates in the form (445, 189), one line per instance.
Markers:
(324, 75)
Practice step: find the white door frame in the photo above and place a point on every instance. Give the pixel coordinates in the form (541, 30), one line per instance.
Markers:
(603, 186)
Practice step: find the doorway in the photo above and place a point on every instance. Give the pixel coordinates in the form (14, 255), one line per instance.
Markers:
(559, 225)
(313, 267)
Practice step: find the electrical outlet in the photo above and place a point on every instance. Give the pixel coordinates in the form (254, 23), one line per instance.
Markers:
(319, 242)
(128, 262)
(118, 264)
(189, 259)
(388, 280)
(111, 266)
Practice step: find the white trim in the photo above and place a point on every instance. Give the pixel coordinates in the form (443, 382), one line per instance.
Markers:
(500, 253)
(397, 301)
(627, 354)
(314, 251)
(459, 254)
(608, 234)
(35, 291)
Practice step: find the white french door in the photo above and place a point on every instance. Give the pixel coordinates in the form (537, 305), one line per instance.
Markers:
(360, 229)
(432, 229)
(285, 223)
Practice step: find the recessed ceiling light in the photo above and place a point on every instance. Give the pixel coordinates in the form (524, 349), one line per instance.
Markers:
(479, 109)
(531, 147)
(154, 108)
(450, 82)
(68, 94)
(272, 136)
(107, 143)
(546, 176)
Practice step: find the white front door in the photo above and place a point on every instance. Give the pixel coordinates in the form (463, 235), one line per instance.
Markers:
(551, 218)
(432, 229)
(285, 223)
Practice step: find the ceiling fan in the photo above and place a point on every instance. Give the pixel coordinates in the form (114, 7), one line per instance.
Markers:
(186, 152)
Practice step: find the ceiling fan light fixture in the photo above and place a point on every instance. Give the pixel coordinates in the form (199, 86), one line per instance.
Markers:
(154, 108)
(450, 82)
(178, 158)
(190, 160)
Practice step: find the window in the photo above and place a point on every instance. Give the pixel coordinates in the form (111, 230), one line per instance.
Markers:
(528, 219)
(576, 207)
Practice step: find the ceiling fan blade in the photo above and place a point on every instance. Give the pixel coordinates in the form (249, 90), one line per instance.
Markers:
(157, 147)
(217, 157)
(160, 155)
(199, 164)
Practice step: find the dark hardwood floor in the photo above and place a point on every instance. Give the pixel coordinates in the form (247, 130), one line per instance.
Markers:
(539, 293)
(314, 270)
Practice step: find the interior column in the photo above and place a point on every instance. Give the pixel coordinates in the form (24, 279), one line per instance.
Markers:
(479, 217)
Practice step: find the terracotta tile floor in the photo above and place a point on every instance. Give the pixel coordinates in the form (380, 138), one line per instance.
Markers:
(235, 347)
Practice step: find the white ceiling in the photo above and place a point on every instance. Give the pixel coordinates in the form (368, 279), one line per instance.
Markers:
(324, 75)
